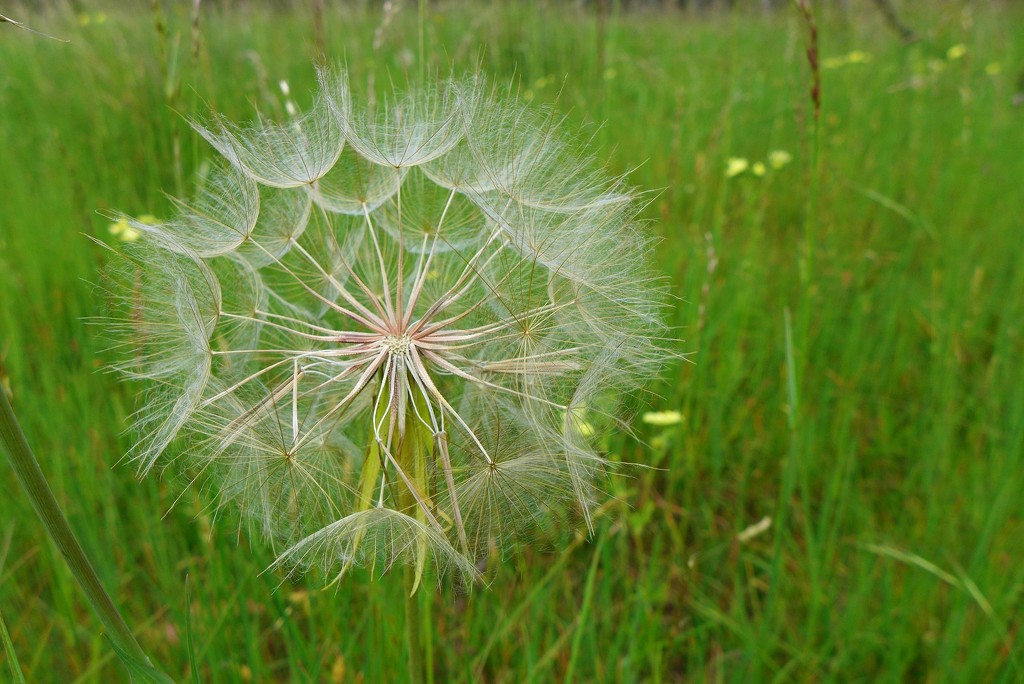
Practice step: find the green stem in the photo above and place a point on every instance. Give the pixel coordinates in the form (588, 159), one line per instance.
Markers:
(427, 599)
(31, 477)
(412, 626)
(12, 657)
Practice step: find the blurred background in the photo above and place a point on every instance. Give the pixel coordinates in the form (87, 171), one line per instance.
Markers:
(838, 469)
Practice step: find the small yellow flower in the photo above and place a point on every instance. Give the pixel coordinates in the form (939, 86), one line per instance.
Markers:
(854, 57)
(300, 598)
(126, 232)
(100, 18)
(994, 69)
(735, 166)
(779, 158)
(663, 418)
(956, 52)
(576, 417)
(84, 20)
(758, 169)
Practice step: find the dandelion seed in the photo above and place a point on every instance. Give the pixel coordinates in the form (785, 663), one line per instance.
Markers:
(779, 158)
(735, 166)
(392, 337)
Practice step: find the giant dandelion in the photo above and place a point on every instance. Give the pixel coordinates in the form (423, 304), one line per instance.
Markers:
(392, 335)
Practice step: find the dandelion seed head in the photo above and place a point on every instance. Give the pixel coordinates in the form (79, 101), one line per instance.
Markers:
(398, 345)
(392, 336)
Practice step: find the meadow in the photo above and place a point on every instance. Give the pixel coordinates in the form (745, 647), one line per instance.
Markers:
(841, 499)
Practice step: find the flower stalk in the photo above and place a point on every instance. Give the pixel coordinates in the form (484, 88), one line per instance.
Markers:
(413, 618)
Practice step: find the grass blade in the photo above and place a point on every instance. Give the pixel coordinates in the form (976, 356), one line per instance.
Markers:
(12, 657)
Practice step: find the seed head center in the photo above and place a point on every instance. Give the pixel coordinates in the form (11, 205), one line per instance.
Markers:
(398, 345)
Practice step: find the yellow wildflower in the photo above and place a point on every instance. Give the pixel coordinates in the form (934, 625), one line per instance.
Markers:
(994, 69)
(735, 166)
(663, 418)
(87, 19)
(126, 232)
(758, 169)
(956, 52)
(854, 57)
(779, 158)
(576, 417)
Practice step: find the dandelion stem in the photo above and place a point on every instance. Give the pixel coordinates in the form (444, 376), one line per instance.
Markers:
(27, 469)
(406, 457)
(412, 625)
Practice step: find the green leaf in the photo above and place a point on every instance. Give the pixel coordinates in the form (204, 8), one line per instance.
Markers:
(140, 672)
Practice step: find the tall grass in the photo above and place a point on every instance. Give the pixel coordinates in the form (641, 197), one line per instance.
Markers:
(880, 423)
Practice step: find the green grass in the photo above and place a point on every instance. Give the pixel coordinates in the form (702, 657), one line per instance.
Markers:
(856, 327)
